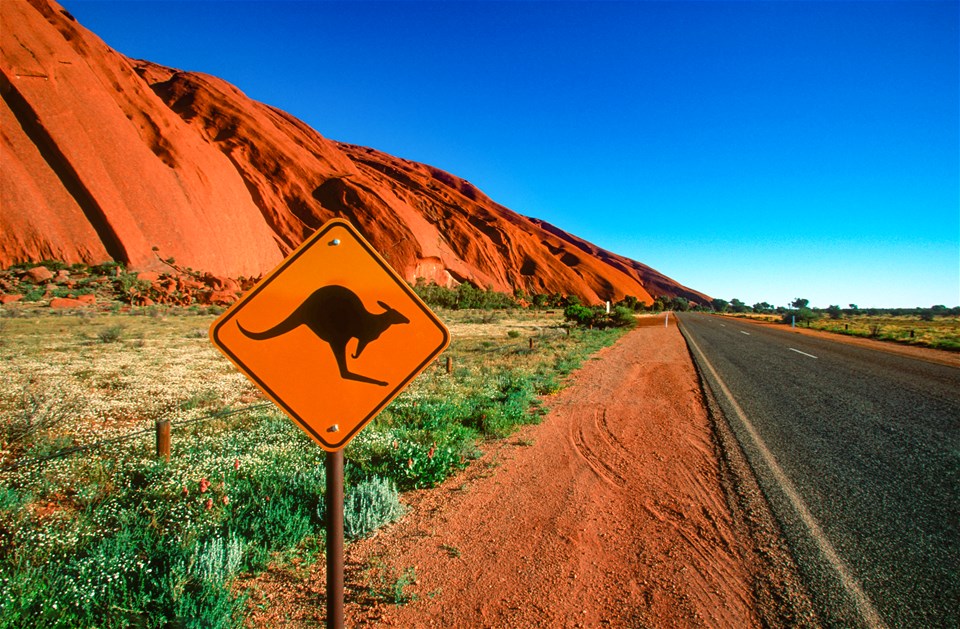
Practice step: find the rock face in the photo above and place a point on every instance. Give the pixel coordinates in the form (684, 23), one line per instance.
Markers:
(106, 157)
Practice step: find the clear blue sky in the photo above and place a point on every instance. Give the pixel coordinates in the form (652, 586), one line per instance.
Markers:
(758, 150)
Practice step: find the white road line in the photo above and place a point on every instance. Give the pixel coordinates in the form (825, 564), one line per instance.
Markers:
(742, 332)
(799, 352)
(860, 599)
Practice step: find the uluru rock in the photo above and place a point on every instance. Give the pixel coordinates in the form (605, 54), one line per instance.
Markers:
(109, 158)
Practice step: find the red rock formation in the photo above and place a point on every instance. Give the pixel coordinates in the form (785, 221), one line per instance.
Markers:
(105, 158)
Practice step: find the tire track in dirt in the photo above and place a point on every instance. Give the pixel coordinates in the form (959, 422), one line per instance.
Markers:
(614, 516)
(583, 435)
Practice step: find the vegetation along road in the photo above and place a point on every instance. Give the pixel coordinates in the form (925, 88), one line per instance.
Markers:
(858, 452)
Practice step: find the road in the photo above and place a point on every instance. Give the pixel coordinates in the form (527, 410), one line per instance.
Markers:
(858, 453)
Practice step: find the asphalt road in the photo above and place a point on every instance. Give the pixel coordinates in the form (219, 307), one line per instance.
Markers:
(858, 453)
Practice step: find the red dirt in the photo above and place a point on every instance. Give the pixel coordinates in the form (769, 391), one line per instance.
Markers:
(610, 512)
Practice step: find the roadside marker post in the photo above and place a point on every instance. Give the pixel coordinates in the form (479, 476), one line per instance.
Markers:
(163, 439)
(331, 336)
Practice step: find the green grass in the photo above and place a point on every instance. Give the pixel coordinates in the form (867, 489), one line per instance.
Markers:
(941, 332)
(114, 537)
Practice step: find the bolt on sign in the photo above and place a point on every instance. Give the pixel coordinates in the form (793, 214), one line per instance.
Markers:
(331, 335)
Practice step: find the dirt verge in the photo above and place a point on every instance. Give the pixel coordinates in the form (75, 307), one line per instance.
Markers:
(611, 512)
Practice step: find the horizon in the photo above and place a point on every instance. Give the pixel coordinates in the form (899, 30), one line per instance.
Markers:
(762, 151)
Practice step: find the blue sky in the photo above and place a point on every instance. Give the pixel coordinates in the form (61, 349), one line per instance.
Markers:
(757, 150)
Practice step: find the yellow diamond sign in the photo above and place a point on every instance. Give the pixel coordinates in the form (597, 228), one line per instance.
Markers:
(331, 335)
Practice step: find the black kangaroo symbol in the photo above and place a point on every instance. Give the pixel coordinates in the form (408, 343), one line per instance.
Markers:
(336, 315)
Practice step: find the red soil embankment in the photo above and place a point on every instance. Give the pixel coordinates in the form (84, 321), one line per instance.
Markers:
(608, 513)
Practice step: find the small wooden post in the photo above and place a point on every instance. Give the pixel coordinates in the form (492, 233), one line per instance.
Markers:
(449, 364)
(163, 439)
(531, 342)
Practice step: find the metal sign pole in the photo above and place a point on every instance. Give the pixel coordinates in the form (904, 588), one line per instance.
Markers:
(334, 499)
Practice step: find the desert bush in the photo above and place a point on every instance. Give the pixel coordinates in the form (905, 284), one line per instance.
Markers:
(369, 505)
(802, 315)
(36, 413)
(465, 296)
(581, 315)
(110, 334)
(597, 317)
(622, 317)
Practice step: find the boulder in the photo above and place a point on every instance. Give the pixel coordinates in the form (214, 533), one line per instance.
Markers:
(38, 275)
(62, 303)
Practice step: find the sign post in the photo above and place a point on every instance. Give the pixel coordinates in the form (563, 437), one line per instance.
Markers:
(334, 500)
(331, 336)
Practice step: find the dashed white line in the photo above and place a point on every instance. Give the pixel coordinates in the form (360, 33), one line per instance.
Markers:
(799, 352)
(742, 332)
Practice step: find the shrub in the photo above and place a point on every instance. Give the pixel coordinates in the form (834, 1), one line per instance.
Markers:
(581, 315)
(217, 560)
(465, 296)
(800, 315)
(597, 317)
(622, 317)
(110, 334)
(370, 505)
(36, 412)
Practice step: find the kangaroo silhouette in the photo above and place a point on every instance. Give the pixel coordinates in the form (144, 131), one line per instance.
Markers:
(336, 315)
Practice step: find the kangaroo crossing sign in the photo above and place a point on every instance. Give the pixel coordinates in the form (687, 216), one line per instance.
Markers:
(331, 335)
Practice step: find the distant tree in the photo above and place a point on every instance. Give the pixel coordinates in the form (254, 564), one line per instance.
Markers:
(631, 302)
(835, 312)
(680, 304)
(799, 302)
(623, 317)
(737, 306)
(720, 305)
(579, 314)
(854, 307)
(800, 315)
(762, 307)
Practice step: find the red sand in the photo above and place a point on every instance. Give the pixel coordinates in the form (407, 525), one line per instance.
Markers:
(608, 513)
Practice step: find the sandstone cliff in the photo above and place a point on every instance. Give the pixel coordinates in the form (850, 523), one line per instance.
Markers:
(106, 157)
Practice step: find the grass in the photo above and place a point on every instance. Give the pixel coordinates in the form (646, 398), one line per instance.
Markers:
(939, 332)
(115, 537)
(942, 332)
